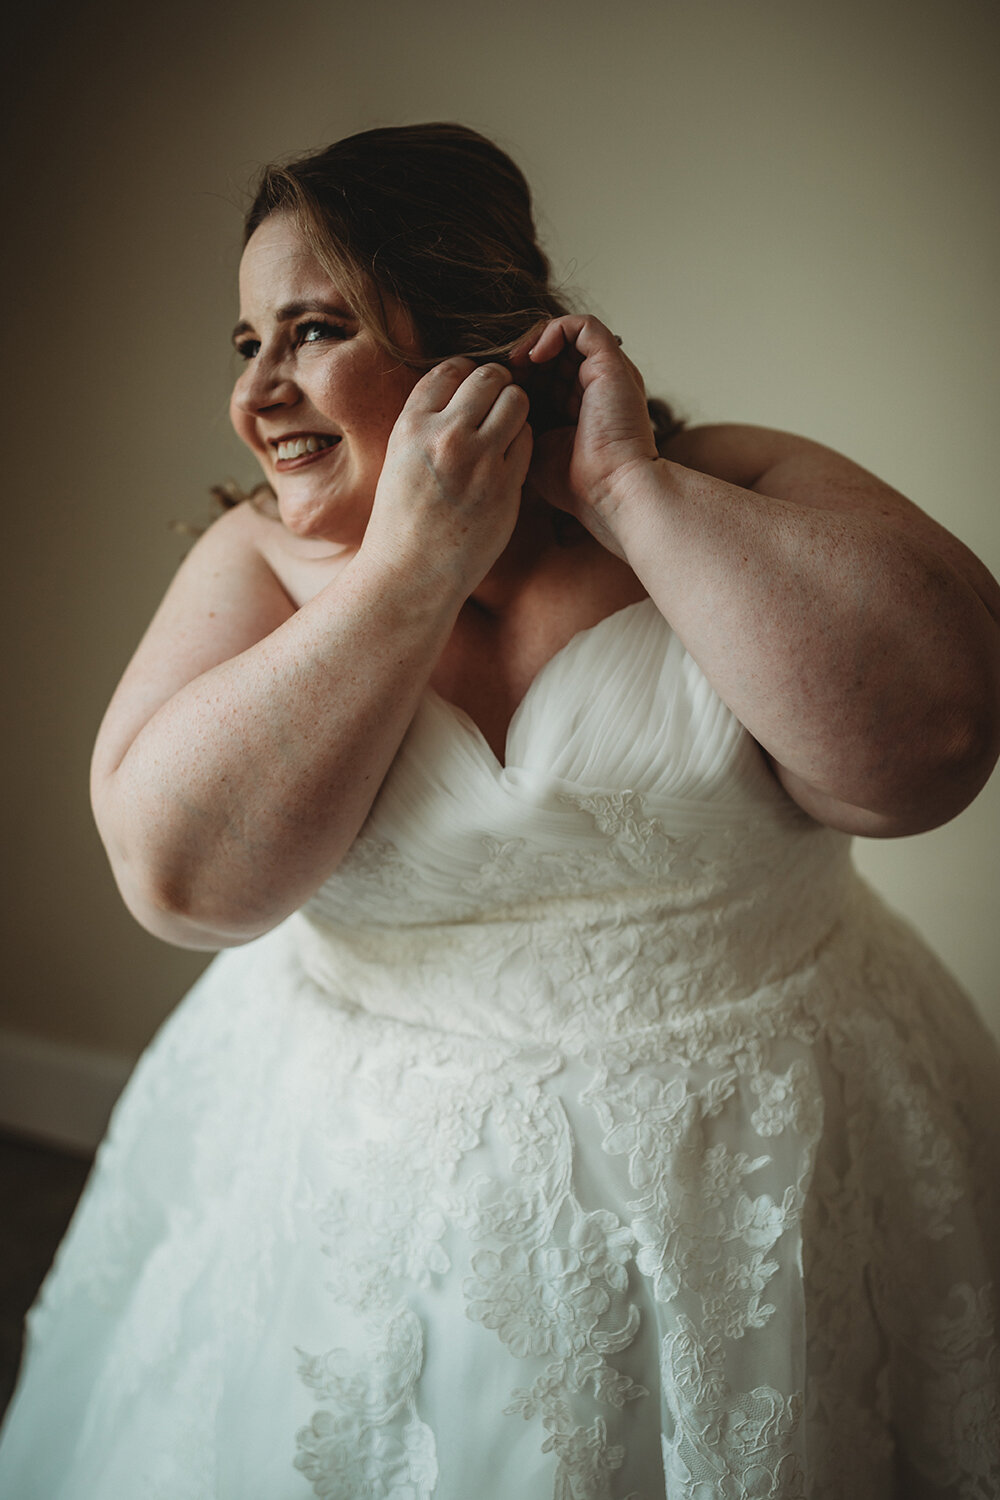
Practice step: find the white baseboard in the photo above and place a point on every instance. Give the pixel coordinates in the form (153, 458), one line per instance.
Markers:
(58, 1094)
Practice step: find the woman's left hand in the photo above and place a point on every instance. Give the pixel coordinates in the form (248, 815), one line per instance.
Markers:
(576, 368)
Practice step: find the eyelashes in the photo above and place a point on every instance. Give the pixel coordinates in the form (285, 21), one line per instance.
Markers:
(317, 331)
(311, 331)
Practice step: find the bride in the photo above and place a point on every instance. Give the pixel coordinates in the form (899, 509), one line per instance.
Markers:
(565, 1117)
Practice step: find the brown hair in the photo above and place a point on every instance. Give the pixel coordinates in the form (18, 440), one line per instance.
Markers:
(440, 219)
(434, 215)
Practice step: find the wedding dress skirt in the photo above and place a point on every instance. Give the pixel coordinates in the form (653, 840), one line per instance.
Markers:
(593, 1132)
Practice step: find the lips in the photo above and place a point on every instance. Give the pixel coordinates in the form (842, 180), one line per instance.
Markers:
(301, 447)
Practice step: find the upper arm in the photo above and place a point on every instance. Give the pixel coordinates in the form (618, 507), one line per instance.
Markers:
(950, 582)
(786, 467)
(223, 600)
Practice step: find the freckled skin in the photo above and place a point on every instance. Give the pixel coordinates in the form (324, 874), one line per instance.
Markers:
(249, 736)
(339, 383)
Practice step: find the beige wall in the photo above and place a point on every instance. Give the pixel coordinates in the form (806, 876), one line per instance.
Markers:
(788, 210)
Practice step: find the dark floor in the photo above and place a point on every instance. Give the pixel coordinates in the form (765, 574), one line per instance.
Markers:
(39, 1186)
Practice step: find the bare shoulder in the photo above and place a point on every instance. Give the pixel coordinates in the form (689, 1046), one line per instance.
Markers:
(747, 455)
(228, 579)
(785, 466)
(223, 599)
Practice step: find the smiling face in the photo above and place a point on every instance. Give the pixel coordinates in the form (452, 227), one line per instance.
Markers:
(319, 396)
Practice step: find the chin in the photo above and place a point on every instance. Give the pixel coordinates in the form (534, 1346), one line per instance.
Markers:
(321, 519)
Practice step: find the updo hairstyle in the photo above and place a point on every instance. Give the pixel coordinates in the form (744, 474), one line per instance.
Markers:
(439, 219)
(434, 215)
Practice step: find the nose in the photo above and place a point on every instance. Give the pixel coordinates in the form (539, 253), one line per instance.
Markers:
(263, 384)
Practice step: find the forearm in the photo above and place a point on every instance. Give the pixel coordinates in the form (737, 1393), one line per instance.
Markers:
(861, 660)
(243, 792)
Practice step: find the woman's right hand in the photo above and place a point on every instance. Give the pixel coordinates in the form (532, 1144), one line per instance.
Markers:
(456, 461)
(248, 738)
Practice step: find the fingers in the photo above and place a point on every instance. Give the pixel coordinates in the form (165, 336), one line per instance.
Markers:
(486, 399)
(581, 332)
(519, 354)
(473, 400)
(434, 390)
(507, 416)
(467, 390)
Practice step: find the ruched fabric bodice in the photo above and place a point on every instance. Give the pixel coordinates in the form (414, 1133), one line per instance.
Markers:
(593, 1133)
(633, 861)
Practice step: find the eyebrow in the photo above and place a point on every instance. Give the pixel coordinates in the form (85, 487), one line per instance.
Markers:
(293, 310)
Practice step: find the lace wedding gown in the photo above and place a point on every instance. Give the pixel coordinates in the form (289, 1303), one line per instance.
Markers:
(593, 1132)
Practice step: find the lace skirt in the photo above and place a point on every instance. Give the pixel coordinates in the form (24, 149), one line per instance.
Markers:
(327, 1253)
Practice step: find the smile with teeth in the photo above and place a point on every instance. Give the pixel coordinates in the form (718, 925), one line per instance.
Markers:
(297, 447)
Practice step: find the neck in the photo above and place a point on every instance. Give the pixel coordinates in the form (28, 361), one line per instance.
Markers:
(540, 536)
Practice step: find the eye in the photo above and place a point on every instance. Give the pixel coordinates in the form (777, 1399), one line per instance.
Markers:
(247, 348)
(317, 332)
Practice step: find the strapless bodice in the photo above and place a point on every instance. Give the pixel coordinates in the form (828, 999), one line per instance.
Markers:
(633, 859)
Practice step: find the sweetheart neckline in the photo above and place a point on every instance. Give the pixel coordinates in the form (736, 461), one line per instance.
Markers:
(465, 719)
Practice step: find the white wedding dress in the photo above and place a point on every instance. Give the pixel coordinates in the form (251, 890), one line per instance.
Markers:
(593, 1132)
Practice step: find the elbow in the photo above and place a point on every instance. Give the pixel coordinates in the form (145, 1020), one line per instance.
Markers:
(940, 771)
(946, 738)
(905, 779)
(975, 739)
(970, 726)
(168, 885)
(936, 753)
(169, 900)
(168, 912)
(971, 751)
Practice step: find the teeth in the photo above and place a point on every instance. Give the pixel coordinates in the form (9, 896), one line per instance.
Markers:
(295, 447)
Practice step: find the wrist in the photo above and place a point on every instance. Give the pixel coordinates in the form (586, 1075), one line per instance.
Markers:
(634, 491)
(414, 592)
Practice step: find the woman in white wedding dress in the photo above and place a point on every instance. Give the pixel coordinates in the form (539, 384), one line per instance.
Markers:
(565, 1117)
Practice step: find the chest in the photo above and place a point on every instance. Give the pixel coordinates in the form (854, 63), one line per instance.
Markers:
(494, 654)
(536, 599)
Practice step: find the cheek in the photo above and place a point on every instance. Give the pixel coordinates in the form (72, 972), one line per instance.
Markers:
(393, 396)
(369, 429)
